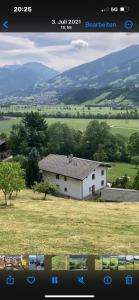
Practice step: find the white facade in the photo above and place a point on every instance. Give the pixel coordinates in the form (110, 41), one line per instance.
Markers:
(95, 181)
(79, 189)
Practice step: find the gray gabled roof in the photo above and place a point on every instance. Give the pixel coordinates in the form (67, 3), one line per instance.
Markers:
(2, 142)
(78, 168)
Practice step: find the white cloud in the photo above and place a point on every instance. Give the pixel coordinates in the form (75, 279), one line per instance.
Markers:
(80, 44)
(20, 42)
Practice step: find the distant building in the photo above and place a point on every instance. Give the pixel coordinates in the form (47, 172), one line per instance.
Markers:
(76, 177)
(4, 151)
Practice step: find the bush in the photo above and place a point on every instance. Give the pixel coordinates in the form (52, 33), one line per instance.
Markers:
(45, 187)
(122, 182)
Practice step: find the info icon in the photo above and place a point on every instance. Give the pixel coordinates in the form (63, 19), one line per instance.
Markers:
(107, 280)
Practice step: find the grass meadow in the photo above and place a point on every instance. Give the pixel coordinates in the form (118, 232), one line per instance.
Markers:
(71, 109)
(124, 127)
(60, 226)
(120, 126)
(120, 169)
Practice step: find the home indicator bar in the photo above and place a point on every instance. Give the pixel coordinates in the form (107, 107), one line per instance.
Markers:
(69, 296)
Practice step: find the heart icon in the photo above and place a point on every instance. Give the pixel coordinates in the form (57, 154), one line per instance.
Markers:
(31, 279)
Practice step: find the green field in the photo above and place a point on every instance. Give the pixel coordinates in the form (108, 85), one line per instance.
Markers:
(120, 169)
(6, 125)
(60, 226)
(121, 126)
(71, 109)
(124, 127)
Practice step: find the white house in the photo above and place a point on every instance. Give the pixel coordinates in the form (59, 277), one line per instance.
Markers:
(76, 177)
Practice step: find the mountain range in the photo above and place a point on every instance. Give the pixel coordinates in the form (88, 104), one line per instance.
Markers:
(17, 78)
(113, 78)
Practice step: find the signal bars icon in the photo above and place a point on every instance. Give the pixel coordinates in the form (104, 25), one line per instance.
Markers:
(106, 9)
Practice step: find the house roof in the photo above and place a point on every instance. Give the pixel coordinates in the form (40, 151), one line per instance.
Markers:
(2, 142)
(77, 168)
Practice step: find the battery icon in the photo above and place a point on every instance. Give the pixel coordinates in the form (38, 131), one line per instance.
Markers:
(125, 9)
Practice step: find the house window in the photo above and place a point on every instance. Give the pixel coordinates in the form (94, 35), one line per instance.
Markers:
(90, 189)
(57, 176)
(65, 178)
(102, 172)
(41, 176)
(102, 182)
(65, 189)
(93, 176)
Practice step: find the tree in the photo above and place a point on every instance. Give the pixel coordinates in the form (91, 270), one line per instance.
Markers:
(136, 181)
(11, 179)
(100, 155)
(32, 168)
(31, 132)
(99, 143)
(45, 187)
(111, 148)
(37, 132)
(61, 139)
(134, 144)
(21, 159)
(77, 146)
(121, 152)
(18, 139)
(95, 135)
(135, 160)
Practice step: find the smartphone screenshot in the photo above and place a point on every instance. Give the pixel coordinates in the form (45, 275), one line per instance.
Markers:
(69, 151)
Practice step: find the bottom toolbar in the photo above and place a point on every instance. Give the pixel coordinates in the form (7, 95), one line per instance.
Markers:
(69, 276)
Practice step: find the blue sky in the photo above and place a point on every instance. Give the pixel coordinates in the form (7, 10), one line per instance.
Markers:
(61, 51)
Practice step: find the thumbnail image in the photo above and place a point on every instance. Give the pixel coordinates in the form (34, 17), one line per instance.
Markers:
(36, 262)
(121, 262)
(12, 262)
(25, 262)
(78, 262)
(106, 262)
(129, 262)
(114, 263)
(2, 262)
(60, 262)
(136, 262)
(98, 263)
